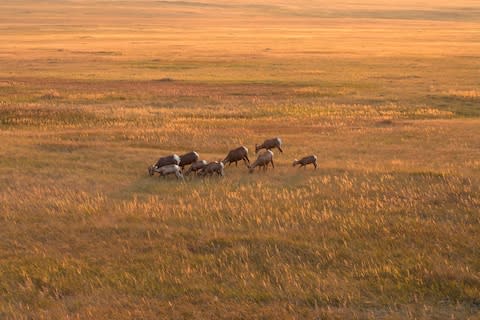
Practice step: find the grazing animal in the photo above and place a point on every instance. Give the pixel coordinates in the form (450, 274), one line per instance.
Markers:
(306, 160)
(164, 161)
(235, 155)
(262, 161)
(270, 144)
(212, 168)
(196, 166)
(188, 158)
(170, 169)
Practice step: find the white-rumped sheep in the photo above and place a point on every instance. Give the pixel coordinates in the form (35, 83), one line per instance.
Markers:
(188, 158)
(170, 169)
(306, 160)
(235, 155)
(212, 168)
(164, 161)
(270, 144)
(262, 161)
(196, 166)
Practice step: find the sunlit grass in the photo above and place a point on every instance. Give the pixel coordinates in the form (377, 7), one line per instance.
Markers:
(387, 227)
(383, 221)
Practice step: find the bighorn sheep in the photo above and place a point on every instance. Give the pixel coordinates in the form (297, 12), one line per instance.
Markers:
(169, 169)
(212, 168)
(164, 161)
(306, 160)
(263, 160)
(270, 144)
(188, 158)
(196, 166)
(235, 155)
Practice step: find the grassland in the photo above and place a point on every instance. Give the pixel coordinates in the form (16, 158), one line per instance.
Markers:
(387, 96)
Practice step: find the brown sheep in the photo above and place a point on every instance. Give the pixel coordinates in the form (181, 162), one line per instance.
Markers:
(263, 160)
(306, 160)
(196, 167)
(188, 158)
(164, 161)
(170, 169)
(270, 144)
(235, 155)
(212, 168)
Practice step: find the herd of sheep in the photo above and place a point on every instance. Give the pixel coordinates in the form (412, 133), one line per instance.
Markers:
(174, 164)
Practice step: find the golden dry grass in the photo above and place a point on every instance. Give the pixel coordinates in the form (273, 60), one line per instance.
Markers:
(386, 95)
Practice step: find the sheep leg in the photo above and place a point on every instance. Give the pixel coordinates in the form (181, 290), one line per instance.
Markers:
(315, 165)
(280, 149)
(246, 158)
(273, 166)
(236, 163)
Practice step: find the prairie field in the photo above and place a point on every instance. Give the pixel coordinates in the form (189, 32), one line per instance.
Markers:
(386, 94)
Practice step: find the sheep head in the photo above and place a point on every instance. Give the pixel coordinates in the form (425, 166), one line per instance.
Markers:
(151, 171)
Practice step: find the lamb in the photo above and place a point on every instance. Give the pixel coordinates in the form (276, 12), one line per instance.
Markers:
(235, 155)
(188, 158)
(164, 161)
(263, 160)
(270, 144)
(196, 166)
(306, 160)
(169, 169)
(212, 168)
